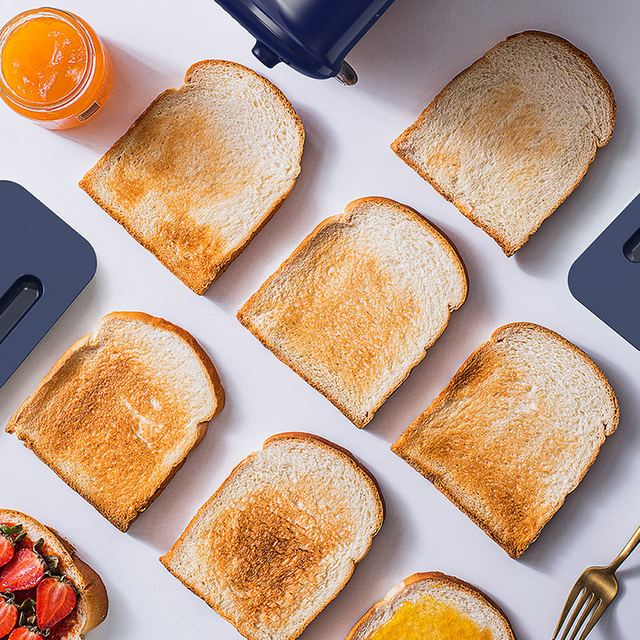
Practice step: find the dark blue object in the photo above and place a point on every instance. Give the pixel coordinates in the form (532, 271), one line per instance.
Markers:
(312, 36)
(606, 277)
(44, 265)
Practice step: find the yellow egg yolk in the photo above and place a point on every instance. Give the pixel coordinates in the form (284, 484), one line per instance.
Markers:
(430, 619)
(44, 60)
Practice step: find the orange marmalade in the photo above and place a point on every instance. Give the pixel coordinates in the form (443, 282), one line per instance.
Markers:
(53, 68)
(429, 619)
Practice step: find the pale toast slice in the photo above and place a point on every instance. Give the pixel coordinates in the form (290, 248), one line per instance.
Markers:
(202, 170)
(433, 605)
(509, 138)
(120, 411)
(281, 537)
(514, 432)
(359, 302)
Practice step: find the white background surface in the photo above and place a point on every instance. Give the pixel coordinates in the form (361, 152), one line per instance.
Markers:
(416, 48)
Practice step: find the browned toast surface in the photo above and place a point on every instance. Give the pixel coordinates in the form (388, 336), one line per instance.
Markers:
(514, 432)
(120, 410)
(355, 307)
(202, 169)
(281, 536)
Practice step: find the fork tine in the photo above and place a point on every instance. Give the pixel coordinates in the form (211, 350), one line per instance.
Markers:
(575, 592)
(576, 611)
(594, 618)
(589, 607)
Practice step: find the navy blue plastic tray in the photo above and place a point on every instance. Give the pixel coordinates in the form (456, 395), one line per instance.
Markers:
(44, 265)
(606, 277)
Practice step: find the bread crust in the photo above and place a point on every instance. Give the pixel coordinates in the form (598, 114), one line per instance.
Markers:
(200, 591)
(244, 318)
(515, 548)
(433, 576)
(92, 599)
(302, 435)
(507, 247)
(203, 281)
(215, 386)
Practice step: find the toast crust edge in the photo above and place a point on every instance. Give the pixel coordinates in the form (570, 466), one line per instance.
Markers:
(514, 548)
(90, 584)
(167, 558)
(436, 576)
(198, 285)
(123, 523)
(346, 217)
(507, 247)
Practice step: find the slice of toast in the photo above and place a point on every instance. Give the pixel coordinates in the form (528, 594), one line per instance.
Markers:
(514, 432)
(202, 170)
(509, 138)
(120, 411)
(358, 303)
(281, 537)
(433, 605)
(92, 602)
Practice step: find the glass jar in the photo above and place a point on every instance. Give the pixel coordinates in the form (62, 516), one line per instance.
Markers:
(54, 69)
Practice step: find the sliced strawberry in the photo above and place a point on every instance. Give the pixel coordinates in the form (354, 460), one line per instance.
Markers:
(8, 617)
(25, 571)
(25, 633)
(55, 600)
(7, 549)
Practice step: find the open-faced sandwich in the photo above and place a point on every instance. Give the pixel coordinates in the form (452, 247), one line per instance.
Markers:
(45, 589)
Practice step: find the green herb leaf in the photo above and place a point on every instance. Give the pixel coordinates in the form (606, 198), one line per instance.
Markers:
(52, 563)
(28, 606)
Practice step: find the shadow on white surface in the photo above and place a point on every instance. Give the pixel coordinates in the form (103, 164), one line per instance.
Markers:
(136, 84)
(379, 565)
(64, 332)
(560, 238)
(166, 518)
(416, 32)
(453, 347)
(597, 488)
(288, 227)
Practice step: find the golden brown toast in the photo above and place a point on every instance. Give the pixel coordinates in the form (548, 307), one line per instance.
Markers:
(203, 169)
(514, 432)
(120, 411)
(358, 303)
(281, 536)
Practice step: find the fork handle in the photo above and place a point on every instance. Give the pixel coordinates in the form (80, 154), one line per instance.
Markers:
(628, 548)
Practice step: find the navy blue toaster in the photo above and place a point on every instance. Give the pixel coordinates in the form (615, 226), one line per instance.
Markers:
(44, 265)
(312, 36)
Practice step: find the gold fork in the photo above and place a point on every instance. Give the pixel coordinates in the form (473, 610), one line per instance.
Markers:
(598, 587)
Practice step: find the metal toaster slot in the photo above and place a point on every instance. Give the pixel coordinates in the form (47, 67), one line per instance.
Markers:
(631, 248)
(17, 301)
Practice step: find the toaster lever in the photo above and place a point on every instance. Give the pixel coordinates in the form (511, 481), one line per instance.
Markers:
(347, 74)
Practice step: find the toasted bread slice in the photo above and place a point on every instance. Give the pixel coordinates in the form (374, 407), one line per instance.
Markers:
(92, 603)
(202, 170)
(433, 605)
(514, 432)
(120, 411)
(358, 303)
(509, 138)
(281, 537)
